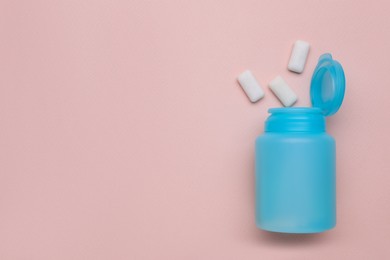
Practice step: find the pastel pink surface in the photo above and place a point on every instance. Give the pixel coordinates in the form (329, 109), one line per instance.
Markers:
(124, 134)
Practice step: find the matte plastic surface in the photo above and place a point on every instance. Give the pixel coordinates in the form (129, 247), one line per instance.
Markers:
(295, 173)
(295, 159)
(327, 86)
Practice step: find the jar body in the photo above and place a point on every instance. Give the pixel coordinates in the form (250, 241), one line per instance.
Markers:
(295, 181)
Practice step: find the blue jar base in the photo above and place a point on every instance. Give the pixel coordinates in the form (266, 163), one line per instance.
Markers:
(295, 230)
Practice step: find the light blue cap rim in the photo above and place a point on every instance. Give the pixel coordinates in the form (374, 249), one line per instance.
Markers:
(327, 85)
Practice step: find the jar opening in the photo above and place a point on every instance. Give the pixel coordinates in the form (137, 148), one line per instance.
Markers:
(295, 110)
(295, 119)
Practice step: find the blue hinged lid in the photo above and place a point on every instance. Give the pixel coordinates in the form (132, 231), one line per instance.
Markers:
(327, 85)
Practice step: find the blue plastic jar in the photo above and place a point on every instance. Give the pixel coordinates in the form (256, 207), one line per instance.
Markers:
(295, 160)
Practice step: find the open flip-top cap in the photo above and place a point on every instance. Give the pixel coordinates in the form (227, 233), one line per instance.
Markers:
(327, 85)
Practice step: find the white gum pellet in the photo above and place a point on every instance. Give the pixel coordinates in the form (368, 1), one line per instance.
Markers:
(250, 86)
(282, 91)
(298, 56)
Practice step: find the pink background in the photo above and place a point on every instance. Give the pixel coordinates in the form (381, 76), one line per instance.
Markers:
(124, 134)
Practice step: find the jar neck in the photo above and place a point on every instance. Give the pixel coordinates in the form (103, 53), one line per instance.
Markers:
(295, 119)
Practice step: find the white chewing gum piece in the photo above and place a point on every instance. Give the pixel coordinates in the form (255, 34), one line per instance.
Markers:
(250, 86)
(283, 92)
(298, 56)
